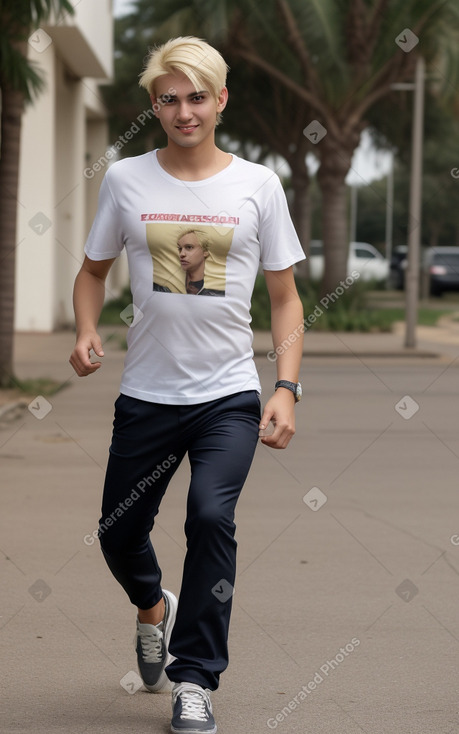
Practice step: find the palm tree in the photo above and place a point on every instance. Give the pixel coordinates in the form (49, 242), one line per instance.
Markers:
(339, 59)
(257, 117)
(20, 81)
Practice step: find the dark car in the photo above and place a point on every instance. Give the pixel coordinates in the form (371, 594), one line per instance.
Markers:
(441, 265)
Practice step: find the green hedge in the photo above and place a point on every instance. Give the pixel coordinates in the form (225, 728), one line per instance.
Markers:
(349, 312)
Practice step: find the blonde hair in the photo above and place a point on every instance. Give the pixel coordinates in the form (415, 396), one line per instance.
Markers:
(202, 64)
(203, 241)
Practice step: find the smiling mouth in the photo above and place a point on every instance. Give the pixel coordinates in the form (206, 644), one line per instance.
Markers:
(186, 128)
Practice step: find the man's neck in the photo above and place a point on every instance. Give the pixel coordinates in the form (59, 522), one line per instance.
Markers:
(193, 164)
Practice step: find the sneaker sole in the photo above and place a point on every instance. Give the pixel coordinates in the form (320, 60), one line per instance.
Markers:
(164, 685)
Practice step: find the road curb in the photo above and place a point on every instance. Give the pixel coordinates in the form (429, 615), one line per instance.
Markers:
(360, 353)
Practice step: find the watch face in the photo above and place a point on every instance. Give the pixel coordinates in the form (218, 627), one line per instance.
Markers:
(299, 391)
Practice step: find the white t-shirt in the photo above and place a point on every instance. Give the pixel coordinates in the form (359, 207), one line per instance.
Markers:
(192, 347)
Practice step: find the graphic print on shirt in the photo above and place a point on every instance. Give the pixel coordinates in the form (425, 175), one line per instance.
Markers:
(189, 258)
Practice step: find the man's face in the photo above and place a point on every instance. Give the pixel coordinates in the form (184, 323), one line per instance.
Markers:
(188, 117)
(192, 256)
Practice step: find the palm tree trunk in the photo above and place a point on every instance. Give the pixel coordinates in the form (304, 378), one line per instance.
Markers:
(335, 164)
(12, 105)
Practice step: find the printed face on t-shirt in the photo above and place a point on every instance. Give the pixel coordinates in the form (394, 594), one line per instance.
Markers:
(189, 258)
(192, 256)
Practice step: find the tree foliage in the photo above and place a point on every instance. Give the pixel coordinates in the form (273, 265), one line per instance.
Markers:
(18, 19)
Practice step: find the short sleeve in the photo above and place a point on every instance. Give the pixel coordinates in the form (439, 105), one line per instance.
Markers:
(105, 240)
(279, 243)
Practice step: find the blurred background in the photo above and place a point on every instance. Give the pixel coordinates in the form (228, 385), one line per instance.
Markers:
(322, 92)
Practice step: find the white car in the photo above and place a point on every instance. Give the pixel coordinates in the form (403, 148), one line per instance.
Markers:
(364, 258)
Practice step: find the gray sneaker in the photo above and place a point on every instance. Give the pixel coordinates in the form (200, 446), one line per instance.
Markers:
(151, 643)
(191, 710)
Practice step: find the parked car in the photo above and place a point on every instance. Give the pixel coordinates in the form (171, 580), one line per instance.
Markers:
(364, 258)
(441, 266)
(398, 263)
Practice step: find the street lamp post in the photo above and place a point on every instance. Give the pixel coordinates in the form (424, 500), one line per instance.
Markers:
(415, 216)
(414, 239)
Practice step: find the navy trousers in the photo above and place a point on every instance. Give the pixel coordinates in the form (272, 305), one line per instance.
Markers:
(149, 442)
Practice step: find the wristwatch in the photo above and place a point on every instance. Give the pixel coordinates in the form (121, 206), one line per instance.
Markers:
(294, 387)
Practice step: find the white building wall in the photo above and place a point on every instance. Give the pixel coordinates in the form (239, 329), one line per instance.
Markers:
(57, 202)
(94, 18)
(84, 40)
(35, 262)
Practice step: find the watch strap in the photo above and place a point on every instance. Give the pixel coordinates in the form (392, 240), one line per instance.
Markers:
(292, 386)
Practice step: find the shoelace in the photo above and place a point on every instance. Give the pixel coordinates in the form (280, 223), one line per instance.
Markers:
(193, 705)
(152, 647)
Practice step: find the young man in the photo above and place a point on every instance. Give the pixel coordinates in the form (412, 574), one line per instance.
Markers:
(189, 384)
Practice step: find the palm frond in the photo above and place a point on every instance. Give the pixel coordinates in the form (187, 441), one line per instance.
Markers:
(18, 19)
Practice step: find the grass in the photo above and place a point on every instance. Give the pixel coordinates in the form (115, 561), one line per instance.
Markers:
(426, 316)
(14, 389)
(39, 386)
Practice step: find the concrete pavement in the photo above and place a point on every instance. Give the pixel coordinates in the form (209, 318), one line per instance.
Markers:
(345, 611)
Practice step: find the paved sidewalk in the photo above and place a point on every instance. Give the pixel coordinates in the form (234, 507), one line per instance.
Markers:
(345, 611)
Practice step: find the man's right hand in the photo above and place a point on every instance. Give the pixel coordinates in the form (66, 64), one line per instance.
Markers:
(88, 299)
(80, 357)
